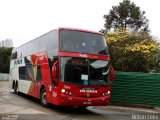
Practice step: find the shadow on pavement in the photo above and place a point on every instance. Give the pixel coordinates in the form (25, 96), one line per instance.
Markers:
(54, 108)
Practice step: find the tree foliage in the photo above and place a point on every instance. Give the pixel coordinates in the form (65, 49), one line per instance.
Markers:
(132, 51)
(126, 15)
(5, 54)
(157, 59)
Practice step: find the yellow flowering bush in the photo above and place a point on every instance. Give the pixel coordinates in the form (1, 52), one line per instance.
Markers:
(131, 51)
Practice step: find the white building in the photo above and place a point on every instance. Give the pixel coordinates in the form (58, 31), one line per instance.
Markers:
(6, 43)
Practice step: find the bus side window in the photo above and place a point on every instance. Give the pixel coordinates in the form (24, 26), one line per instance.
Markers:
(22, 73)
(14, 55)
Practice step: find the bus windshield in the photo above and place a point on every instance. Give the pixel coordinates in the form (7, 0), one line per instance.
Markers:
(84, 71)
(82, 42)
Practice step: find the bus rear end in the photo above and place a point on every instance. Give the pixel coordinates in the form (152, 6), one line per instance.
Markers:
(84, 74)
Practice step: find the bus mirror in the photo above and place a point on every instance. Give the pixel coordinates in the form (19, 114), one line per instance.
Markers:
(112, 73)
(55, 70)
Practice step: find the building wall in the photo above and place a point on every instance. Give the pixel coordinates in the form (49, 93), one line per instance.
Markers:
(6, 43)
(4, 76)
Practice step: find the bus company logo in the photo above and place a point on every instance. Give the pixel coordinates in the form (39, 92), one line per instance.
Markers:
(41, 57)
(67, 87)
(88, 91)
(54, 94)
(88, 94)
(16, 62)
(83, 55)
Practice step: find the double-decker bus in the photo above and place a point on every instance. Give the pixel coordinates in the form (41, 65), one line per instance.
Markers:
(66, 67)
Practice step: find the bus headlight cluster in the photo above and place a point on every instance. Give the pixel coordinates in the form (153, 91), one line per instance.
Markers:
(106, 93)
(67, 92)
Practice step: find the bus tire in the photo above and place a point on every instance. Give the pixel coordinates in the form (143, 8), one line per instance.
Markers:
(43, 98)
(16, 91)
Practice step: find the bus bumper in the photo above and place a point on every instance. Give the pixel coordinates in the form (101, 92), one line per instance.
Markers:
(79, 101)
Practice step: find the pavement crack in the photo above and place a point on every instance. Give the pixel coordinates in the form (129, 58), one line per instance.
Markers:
(4, 100)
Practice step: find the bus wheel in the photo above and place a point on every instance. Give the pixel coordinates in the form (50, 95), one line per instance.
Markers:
(16, 91)
(43, 98)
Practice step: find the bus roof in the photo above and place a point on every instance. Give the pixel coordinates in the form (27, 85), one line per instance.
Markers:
(58, 29)
(78, 29)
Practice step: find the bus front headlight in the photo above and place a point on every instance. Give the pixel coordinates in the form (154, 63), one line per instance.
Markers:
(63, 90)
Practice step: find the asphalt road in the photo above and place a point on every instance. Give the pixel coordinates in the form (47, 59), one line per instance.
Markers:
(23, 107)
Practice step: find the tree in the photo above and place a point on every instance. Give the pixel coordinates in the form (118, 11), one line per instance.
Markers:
(157, 59)
(132, 51)
(5, 54)
(126, 15)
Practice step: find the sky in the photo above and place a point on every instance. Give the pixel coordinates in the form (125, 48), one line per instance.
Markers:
(24, 20)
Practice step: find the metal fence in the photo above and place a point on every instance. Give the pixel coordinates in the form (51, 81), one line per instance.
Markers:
(4, 76)
(136, 88)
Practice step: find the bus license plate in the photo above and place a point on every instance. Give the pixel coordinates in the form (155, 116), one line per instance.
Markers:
(87, 102)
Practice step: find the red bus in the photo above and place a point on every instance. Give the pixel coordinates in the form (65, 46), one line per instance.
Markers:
(66, 67)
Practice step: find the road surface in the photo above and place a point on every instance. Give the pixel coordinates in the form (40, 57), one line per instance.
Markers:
(23, 107)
